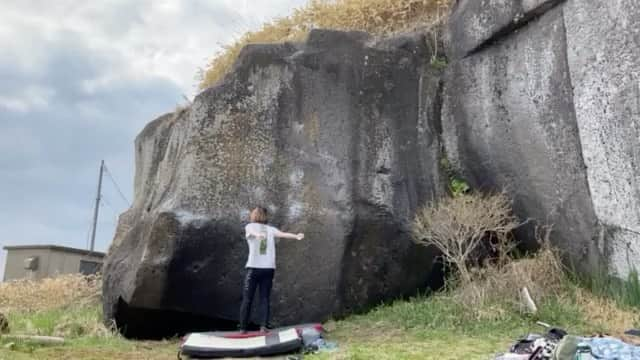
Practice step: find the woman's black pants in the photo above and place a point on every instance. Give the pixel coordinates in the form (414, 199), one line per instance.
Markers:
(262, 278)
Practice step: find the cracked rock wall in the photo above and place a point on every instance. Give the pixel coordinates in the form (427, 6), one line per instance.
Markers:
(542, 99)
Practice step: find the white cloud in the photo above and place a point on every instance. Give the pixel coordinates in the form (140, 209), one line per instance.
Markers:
(79, 81)
(32, 97)
(171, 39)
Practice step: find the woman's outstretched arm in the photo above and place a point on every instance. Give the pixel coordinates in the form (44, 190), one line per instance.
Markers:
(285, 235)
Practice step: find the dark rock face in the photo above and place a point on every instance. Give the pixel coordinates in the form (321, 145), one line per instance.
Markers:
(548, 109)
(509, 123)
(335, 136)
(341, 138)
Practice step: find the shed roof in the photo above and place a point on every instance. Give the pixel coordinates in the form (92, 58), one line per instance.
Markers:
(56, 248)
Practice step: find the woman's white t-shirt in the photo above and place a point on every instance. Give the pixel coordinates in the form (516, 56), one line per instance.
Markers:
(256, 259)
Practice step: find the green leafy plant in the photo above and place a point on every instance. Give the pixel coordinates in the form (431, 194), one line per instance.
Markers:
(438, 63)
(458, 187)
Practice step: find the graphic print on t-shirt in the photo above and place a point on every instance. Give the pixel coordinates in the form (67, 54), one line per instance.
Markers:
(262, 252)
(263, 240)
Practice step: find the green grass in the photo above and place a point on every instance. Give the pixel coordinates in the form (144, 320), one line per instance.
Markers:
(91, 348)
(84, 337)
(71, 322)
(432, 327)
(625, 292)
(437, 328)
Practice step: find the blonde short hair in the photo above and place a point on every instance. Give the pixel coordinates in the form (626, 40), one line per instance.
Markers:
(258, 215)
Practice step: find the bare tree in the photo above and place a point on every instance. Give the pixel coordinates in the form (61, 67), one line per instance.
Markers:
(457, 226)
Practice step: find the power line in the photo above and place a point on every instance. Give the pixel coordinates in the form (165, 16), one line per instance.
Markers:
(108, 203)
(89, 232)
(101, 201)
(116, 185)
(97, 207)
(90, 228)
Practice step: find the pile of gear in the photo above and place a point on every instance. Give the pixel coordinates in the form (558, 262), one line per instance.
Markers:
(556, 344)
(314, 342)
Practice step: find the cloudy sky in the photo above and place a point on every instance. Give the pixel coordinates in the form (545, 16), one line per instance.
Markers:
(78, 81)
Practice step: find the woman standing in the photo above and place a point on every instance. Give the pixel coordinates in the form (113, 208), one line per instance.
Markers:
(261, 265)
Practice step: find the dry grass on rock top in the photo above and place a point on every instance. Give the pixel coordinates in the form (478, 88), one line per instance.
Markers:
(379, 17)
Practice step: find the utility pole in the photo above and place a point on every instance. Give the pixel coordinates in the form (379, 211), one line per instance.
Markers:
(95, 211)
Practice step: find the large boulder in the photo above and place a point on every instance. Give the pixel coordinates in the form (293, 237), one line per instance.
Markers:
(335, 136)
(603, 53)
(548, 109)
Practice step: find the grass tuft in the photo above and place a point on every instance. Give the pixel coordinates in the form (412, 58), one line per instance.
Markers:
(626, 292)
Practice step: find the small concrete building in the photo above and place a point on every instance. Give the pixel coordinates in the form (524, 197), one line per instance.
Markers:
(41, 261)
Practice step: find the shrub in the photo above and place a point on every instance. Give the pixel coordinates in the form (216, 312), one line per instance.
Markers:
(457, 226)
(378, 17)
